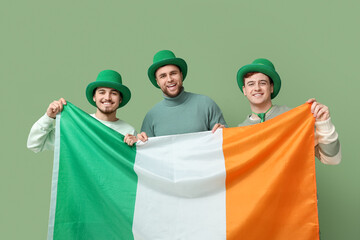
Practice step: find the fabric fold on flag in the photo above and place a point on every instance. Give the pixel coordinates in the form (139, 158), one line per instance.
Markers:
(253, 182)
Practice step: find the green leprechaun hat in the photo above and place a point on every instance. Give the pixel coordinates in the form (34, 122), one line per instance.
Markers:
(162, 58)
(264, 66)
(110, 79)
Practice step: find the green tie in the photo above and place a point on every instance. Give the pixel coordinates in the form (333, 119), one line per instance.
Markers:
(262, 115)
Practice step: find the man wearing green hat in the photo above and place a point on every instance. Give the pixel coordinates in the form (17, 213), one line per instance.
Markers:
(180, 111)
(260, 83)
(107, 93)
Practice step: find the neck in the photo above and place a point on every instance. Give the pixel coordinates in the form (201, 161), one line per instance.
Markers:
(110, 117)
(260, 108)
(175, 101)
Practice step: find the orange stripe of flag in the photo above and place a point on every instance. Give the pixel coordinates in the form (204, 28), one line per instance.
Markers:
(270, 183)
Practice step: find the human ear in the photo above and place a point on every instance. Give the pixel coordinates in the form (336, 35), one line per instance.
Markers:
(157, 82)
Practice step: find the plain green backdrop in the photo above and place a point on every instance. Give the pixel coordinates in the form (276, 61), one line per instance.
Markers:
(52, 49)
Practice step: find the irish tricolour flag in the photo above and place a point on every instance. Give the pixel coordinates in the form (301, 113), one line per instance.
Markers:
(255, 182)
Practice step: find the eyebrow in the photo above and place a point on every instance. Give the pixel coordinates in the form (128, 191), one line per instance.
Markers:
(103, 90)
(162, 74)
(261, 80)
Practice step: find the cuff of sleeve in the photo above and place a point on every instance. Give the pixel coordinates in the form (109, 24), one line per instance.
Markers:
(325, 132)
(325, 126)
(46, 121)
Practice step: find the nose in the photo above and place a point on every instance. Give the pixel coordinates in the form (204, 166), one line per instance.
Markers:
(169, 78)
(108, 96)
(257, 86)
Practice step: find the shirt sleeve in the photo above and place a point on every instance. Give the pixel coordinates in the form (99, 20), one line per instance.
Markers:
(327, 144)
(215, 115)
(42, 135)
(147, 127)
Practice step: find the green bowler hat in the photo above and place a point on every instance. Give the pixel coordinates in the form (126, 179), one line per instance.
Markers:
(162, 58)
(110, 79)
(264, 66)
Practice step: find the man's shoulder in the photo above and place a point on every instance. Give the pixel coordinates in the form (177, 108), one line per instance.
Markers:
(200, 97)
(122, 127)
(156, 107)
(281, 109)
(197, 95)
(247, 122)
(275, 111)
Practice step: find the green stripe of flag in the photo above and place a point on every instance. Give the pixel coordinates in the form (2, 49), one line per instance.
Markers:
(96, 185)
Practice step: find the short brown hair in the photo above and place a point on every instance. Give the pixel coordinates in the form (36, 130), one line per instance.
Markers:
(114, 89)
(249, 74)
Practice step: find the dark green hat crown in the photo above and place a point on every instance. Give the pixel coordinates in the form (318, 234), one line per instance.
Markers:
(162, 58)
(110, 79)
(264, 66)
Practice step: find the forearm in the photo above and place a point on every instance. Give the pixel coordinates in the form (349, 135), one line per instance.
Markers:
(328, 159)
(325, 132)
(216, 116)
(328, 148)
(42, 135)
(147, 129)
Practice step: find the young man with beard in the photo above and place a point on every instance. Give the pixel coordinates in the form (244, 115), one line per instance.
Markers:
(180, 111)
(107, 93)
(260, 83)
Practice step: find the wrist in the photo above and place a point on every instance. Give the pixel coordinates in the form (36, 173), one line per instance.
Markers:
(325, 125)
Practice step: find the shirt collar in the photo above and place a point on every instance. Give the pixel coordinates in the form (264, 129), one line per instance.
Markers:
(175, 101)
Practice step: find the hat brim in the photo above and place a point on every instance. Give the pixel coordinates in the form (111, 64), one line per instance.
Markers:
(262, 69)
(125, 92)
(173, 61)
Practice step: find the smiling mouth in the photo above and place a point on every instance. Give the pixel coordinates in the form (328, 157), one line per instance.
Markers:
(107, 103)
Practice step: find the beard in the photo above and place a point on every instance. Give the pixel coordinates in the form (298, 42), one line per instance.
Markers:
(107, 111)
(173, 94)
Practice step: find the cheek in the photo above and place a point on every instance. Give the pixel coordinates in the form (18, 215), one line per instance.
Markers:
(159, 83)
(179, 82)
(244, 91)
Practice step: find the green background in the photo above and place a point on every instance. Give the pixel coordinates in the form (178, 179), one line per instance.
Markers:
(52, 49)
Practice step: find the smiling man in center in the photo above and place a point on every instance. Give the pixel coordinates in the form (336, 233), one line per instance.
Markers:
(180, 111)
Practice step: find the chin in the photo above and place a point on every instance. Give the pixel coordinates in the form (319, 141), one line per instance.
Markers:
(257, 103)
(172, 94)
(107, 111)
